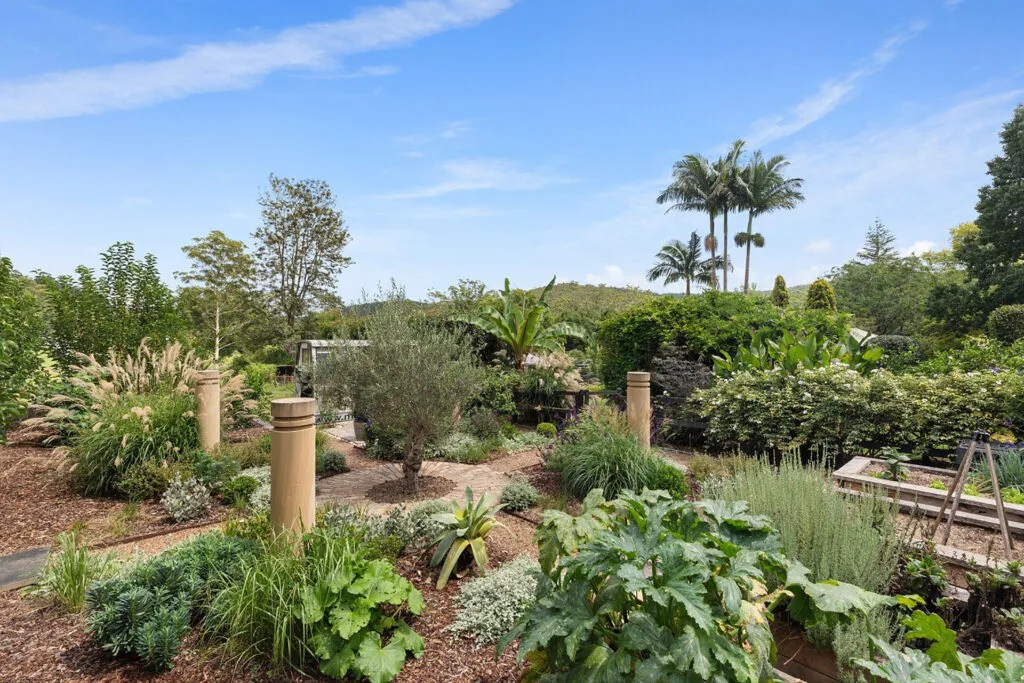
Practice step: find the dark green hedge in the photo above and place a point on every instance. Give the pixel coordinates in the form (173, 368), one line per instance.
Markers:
(704, 324)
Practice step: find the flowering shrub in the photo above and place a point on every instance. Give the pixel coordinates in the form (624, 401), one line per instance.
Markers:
(837, 407)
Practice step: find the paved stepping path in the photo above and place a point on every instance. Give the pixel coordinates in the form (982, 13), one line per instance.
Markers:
(351, 488)
(20, 569)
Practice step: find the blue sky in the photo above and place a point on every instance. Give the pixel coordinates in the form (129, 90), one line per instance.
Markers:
(493, 138)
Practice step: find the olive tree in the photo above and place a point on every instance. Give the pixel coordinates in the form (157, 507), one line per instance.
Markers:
(413, 376)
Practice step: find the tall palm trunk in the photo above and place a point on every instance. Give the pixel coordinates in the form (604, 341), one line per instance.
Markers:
(725, 251)
(714, 248)
(750, 236)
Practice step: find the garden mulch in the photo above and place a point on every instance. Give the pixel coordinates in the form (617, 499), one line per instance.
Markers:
(47, 644)
(37, 503)
(395, 490)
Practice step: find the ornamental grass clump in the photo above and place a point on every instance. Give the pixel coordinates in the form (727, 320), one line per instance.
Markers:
(129, 431)
(329, 605)
(69, 570)
(600, 452)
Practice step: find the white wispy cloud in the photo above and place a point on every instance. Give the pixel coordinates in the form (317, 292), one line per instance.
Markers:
(919, 247)
(464, 175)
(214, 67)
(615, 276)
(818, 246)
(451, 130)
(830, 94)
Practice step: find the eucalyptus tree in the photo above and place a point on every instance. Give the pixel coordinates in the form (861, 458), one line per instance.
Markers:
(695, 187)
(521, 324)
(682, 262)
(765, 189)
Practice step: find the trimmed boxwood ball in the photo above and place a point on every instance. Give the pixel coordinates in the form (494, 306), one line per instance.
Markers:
(1006, 323)
(331, 461)
(547, 429)
(668, 477)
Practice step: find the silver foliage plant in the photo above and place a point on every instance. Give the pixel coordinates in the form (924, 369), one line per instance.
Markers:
(491, 604)
(186, 499)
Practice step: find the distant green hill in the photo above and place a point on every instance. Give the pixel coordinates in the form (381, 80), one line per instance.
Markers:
(573, 301)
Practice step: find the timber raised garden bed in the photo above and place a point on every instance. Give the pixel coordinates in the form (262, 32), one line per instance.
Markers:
(974, 510)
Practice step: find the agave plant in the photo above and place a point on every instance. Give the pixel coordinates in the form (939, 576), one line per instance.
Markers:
(521, 325)
(466, 527)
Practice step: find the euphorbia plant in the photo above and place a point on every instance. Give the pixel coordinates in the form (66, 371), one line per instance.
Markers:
(663, 589)
(467, 527)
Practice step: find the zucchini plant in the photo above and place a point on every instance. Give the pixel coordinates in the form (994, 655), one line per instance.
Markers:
(649, 588)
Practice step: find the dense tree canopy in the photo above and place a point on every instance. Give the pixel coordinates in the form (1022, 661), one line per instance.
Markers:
(300, 246)
(21, 340)
(115, 310)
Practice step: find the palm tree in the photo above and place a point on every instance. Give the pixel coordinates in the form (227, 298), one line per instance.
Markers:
(729, 191)
(695, 187)
(677, 261)
(765, 189)
(520, 324)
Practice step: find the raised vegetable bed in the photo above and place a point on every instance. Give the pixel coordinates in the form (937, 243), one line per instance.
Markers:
(974, 510)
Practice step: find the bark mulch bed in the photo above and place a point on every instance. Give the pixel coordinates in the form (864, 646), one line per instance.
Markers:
(47, 644)
(37, 503)
(395, 490)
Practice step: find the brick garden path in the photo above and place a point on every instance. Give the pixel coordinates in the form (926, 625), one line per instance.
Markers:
(489, 477)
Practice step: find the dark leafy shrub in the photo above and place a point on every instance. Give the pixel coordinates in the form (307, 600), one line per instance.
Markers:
(498, 392)
(894, 343)
(663, 589)
(331, 461)
(941, 662)
(667, 477)
(484, 424)
(519, 495)
(145, 612)
(547, 429)
(149, 479)
(383, 442)
(821, 296)
(837, 408)
(238, 491)
(1006, 323)
(703, 325)
(213, 471)
(329, 604)
(132, 430)
(253, 453)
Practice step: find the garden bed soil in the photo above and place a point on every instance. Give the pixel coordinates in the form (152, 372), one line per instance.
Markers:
(984, 542)
(914, 476)
(37, 503)
(47, 644)
(396, 490)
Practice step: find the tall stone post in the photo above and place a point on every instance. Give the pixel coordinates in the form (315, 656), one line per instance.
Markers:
(208, 407)
(292, 464)
(638, 404)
